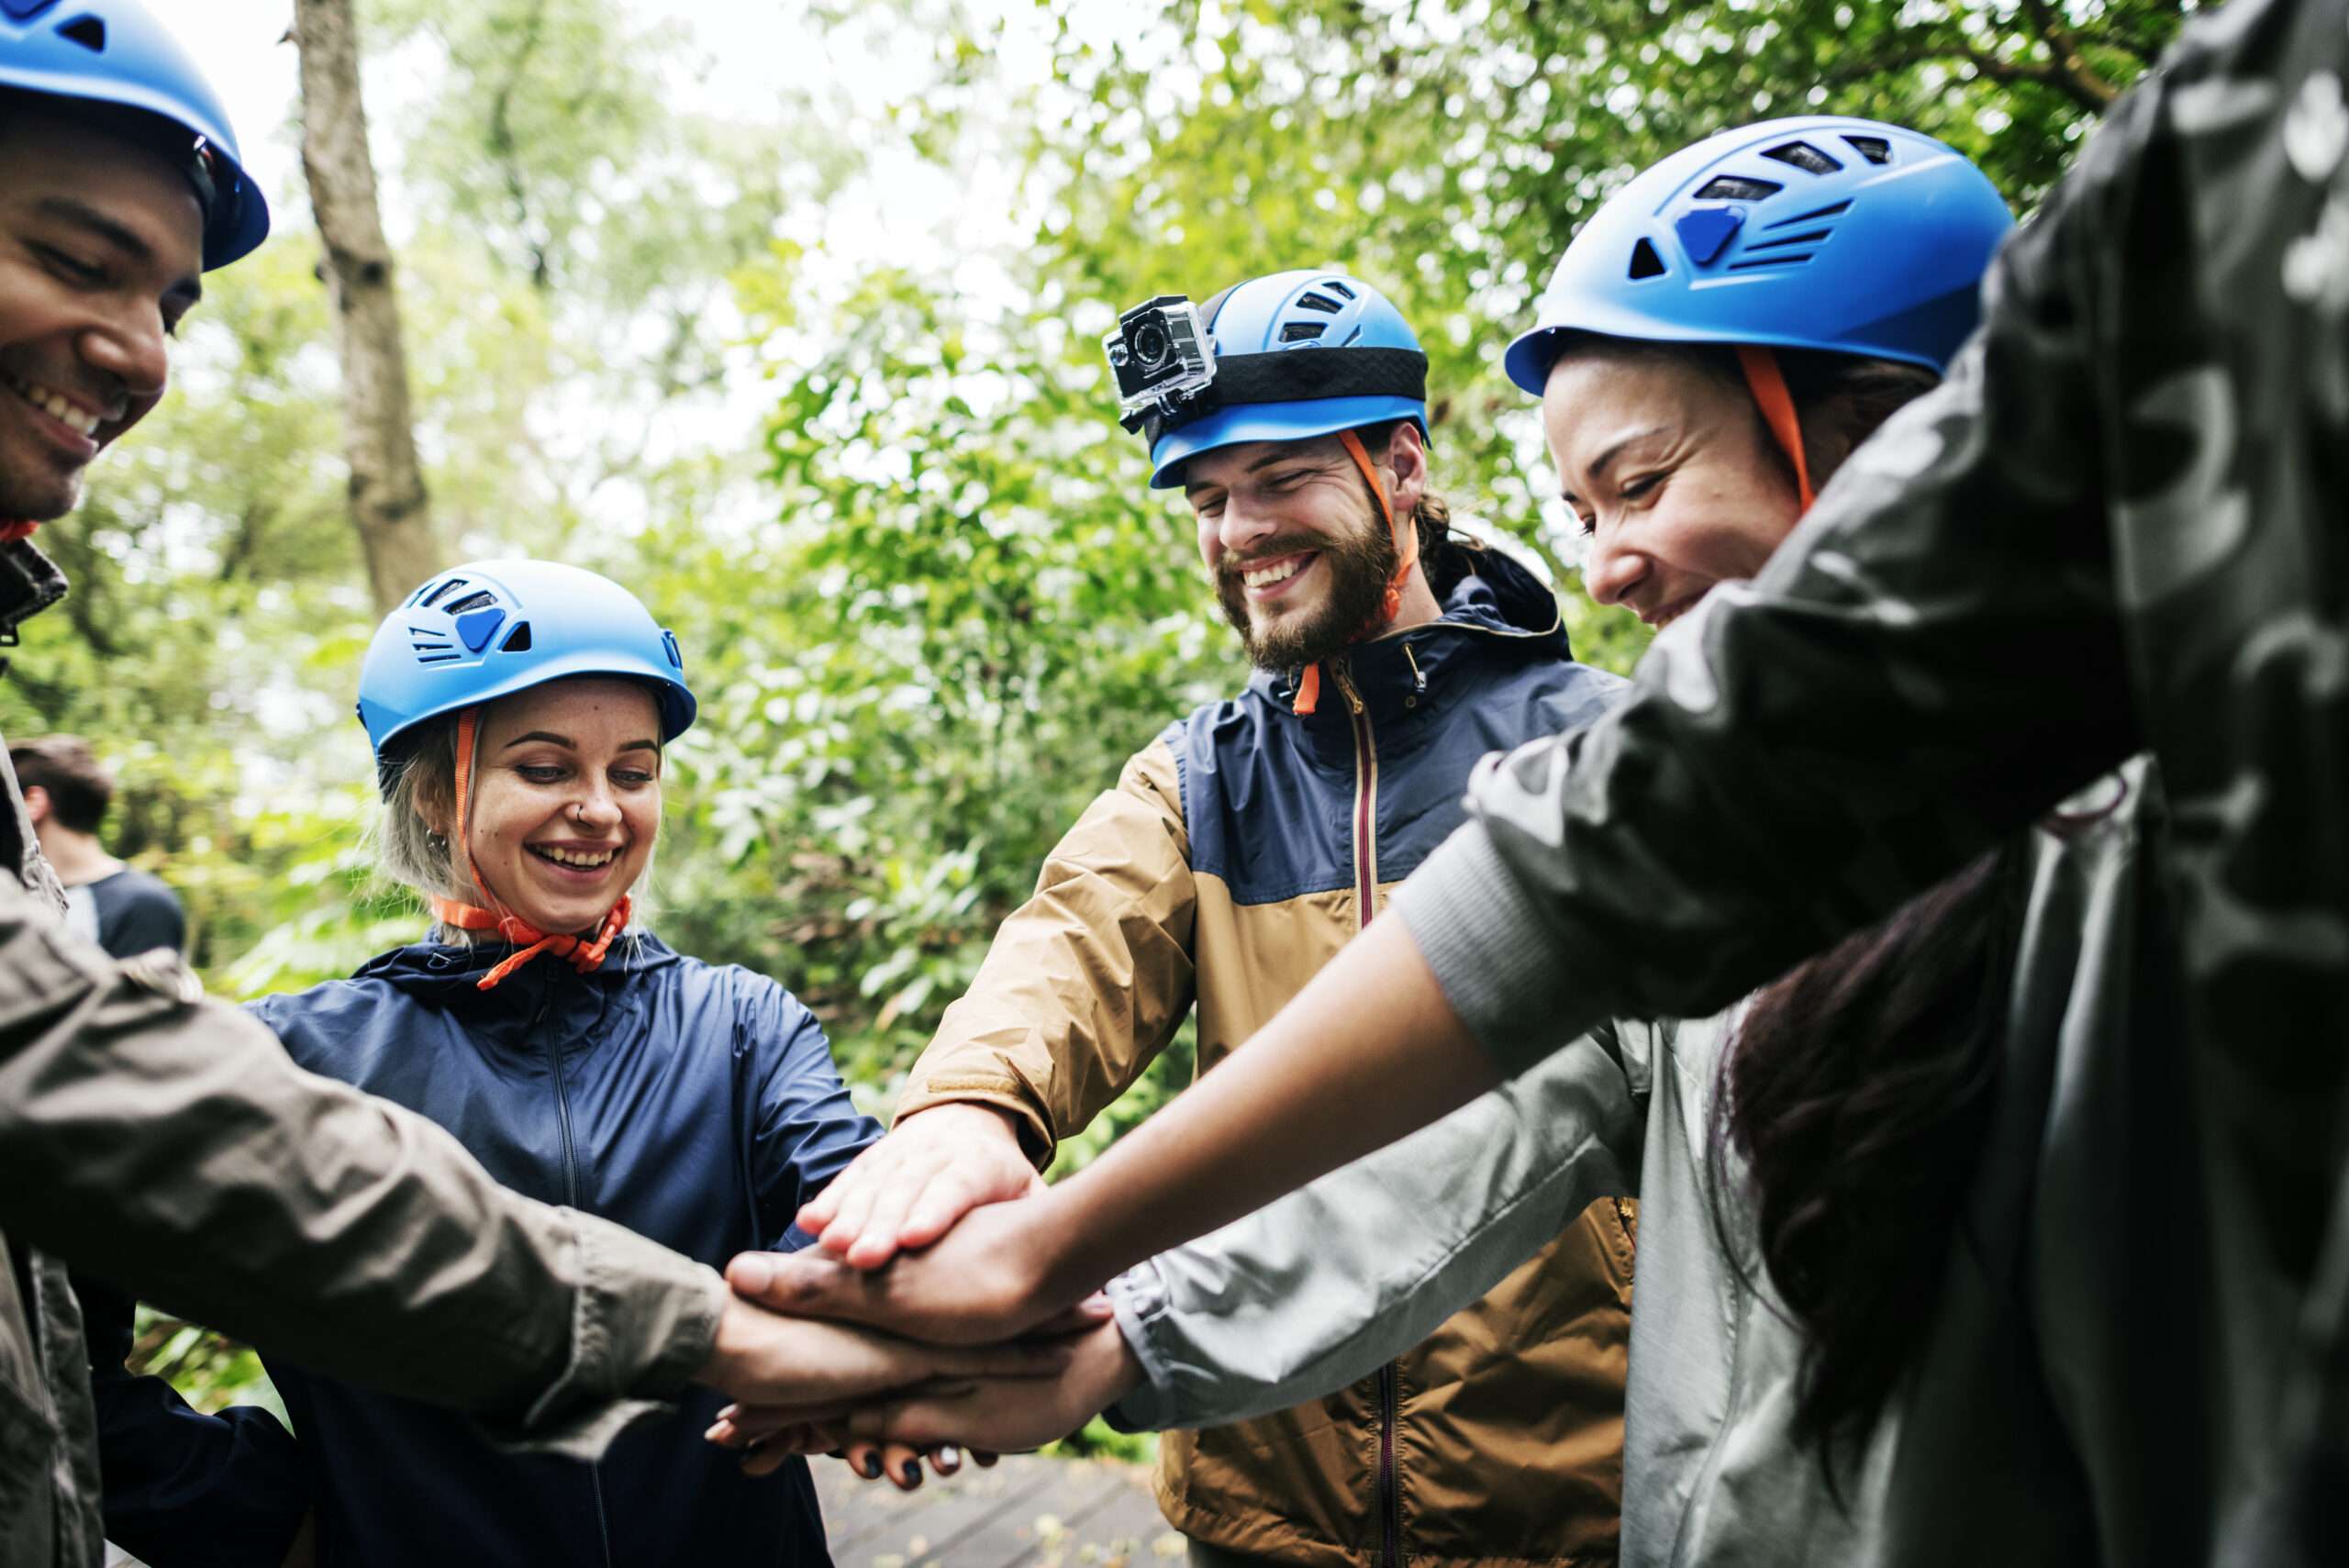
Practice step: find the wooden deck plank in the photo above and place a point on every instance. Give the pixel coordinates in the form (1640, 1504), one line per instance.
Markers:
(1096, 1512)
(1027, 1511)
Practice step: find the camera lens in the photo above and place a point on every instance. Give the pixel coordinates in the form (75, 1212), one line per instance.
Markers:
(1151, 345)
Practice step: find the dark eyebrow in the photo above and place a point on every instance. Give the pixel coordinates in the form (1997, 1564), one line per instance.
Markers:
(1268, 460)
(89, 220)
(1605, 460)
(568, 744)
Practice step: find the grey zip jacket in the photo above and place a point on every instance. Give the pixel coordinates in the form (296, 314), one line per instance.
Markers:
(2010, 1443)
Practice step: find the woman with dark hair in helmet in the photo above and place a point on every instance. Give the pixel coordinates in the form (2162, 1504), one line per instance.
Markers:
(1835, 1337)
(519, 712)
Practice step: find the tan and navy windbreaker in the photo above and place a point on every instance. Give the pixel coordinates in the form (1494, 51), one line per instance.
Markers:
(1238, 854)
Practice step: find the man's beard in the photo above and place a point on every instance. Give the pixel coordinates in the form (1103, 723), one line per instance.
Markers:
(1359, 567)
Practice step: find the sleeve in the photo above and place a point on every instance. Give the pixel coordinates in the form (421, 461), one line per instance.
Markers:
(804, 1130)
(146, 915)
(167, 1146)
(182, 1489)
(1088, 980)
(1935, 657)
(1305, 1296)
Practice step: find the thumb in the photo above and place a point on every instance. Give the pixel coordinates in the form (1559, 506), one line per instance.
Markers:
(751, 1274)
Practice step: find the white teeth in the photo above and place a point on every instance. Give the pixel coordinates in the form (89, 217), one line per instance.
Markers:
(65, 413)
(565, 857)
(1271, 574)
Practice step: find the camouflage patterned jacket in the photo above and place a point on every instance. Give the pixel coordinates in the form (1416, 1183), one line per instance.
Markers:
(2120, 524)
(169, 1144)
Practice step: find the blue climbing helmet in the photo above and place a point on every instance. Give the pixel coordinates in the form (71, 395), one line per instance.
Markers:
(1280, 358)
(115, 52)
(490, 629)
(1820, 232)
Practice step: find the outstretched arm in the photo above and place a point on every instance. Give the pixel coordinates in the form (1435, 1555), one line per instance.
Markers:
(1279, 1113)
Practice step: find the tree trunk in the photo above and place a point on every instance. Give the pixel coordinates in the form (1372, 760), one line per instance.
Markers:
(387, 500)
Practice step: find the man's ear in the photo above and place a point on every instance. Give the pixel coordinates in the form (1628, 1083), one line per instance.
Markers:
(1407, 460)
(36, 805)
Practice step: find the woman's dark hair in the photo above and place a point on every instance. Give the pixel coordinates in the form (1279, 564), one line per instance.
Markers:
(1857, 1091)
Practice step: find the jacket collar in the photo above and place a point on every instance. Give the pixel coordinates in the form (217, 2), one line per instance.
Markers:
(29, 583)
(447, 970)
(1489, 604)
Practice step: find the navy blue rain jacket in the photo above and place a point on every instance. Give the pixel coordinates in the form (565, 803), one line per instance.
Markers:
(695, 1104)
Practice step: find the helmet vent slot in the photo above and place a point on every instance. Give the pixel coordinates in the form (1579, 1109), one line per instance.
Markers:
(517, 640)
(1813, 216)
(1645, 262)
(1338, 288)
(447, 658)
(1809, 236)
(432, 590)
(1320, 302)
(669, 646)
(480, 599)
(1802, 155)
(1875, 148)
(1791, 259)
(1302, 331)
(1737, 188)
(90, 32)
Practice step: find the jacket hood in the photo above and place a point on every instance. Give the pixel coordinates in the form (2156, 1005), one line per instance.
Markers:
(1489, 588)
(436, 969)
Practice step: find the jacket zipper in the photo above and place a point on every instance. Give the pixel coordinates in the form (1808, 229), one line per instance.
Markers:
(1390, 1478)
(570, 1192)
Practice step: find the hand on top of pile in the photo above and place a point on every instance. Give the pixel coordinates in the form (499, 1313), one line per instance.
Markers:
(908, 1190)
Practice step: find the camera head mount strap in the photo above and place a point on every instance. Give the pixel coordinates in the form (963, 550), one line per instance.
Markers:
(1296, 375)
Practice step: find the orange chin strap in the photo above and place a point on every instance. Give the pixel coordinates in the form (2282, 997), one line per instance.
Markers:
(1407, 556)
(11, 532)
(527, 939)
(1768, 385)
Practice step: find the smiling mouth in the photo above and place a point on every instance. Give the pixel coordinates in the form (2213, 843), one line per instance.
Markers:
(1273, 573)
(574, 859)
(1665, 615)
(58, 406)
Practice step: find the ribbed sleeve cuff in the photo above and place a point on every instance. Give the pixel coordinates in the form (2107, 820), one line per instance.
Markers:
(1139, 1296)
(1486, 940)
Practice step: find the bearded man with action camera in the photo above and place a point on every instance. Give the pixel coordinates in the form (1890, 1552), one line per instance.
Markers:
(1236, 854)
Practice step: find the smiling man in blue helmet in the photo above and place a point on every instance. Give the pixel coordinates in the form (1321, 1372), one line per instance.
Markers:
(1237, 852)
(151, 1139)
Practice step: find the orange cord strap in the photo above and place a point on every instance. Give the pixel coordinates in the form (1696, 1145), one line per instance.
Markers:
(1768, 386)
(11, 532)
(527, 939)
(1407, 556)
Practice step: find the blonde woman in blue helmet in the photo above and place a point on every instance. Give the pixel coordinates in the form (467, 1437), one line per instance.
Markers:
(520, 712)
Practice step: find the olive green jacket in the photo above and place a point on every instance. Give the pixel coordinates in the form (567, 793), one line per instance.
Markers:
(166, 1143)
